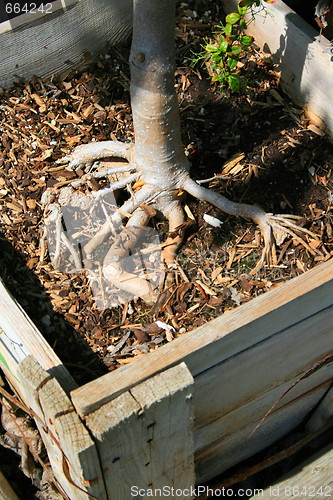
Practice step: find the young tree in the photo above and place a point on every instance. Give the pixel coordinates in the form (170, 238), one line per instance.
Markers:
(157, 158)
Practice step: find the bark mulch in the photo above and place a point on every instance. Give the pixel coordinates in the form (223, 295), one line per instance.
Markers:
(257, 148)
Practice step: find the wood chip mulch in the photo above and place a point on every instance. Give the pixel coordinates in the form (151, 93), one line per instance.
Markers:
(259, 148)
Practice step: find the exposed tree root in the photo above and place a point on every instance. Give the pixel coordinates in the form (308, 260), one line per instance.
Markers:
(274, 228)
(140, 208)
(85, 155)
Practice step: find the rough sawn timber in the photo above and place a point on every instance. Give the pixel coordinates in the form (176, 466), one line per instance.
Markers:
(63, 40)
(313, 479)
(242, 363)
(71, 451)
(144, 437)
(20, 337)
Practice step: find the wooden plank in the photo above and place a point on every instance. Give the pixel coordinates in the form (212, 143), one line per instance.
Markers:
(236, 438)
(57, 43)
(221, 338)
(6, 491)
(145, 437)
(228, 399)
(301, 56)
(19, 338)
(323, 412)
(71, 450)
(35, 14)
(265, 366)
(313, 479)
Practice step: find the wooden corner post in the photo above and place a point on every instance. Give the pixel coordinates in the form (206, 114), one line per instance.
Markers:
(145, 438)
(71, 450)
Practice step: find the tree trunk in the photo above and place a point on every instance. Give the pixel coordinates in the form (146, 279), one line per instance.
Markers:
(157, 158)
(159, 152)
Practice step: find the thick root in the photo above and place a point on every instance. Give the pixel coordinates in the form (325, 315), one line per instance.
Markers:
(274, 228)
(86, 154)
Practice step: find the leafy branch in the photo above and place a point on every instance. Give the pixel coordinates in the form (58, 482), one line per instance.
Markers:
(221, 54)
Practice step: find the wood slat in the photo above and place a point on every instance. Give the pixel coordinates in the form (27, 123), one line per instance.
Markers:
(273, 364)
(19, 337)
(221, 338)
(235, 439)
(6, 491)
(71, 450)
(145, 437)
(58, 43)
(323, 413)
(35, 15)
(311, 479)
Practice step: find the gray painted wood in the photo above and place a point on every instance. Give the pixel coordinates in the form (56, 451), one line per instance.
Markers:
(62, 40)
(311, 479)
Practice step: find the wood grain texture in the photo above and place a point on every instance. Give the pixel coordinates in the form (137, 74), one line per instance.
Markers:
(236, 444)
(311, 479)
(323, 413)
(6, 491)
(71, 451)
(221, 338)
(145, 437)
(63, 40)
(271, 365)
(19, 337)
(302, 58)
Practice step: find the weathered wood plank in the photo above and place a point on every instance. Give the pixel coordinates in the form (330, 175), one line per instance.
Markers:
(19, 337)
(71, 450)
(236, 439)
(323, 412)
(311, 479)
(221, 338)
(63, 40)
(268, 365)
(302, 57)
(34, 14)
(6, 491)
(145, 438)
(237, 393)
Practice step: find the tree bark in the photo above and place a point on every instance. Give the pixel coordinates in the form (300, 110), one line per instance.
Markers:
(159, 153)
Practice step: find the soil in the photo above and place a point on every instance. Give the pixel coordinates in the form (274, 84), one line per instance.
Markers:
(259, 148)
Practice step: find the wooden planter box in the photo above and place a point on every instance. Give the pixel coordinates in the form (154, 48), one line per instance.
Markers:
(180, 416)
(185, 413)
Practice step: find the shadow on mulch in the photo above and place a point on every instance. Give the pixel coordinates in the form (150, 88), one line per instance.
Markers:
(29, 292)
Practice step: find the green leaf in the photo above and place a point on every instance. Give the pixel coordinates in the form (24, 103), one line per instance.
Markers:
(232, 62)
(236, 49)
(216, 57)
(234, 83)
(242, 10)
(224, 44)
(242, 24)
(228, 29)
(232, 18)
(211, 48)
(246, 40)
